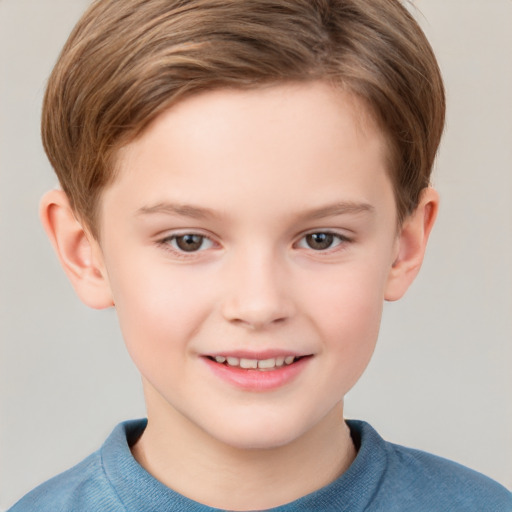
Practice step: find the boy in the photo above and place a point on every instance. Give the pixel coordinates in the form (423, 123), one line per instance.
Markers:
(247, 182)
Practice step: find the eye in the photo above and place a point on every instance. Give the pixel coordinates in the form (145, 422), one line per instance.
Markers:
(321, 241)
(189, 242)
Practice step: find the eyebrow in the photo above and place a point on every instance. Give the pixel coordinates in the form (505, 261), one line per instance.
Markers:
(196, 212)
(339, 208)
(183, 210)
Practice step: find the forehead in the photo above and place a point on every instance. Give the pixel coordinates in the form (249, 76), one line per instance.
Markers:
(237, 142)
(327, 110)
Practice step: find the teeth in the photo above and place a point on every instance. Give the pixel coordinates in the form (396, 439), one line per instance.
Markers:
(248, 363)
(262, 364)
(267, 363)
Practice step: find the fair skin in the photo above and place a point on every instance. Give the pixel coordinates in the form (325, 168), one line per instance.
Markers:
(258, 226)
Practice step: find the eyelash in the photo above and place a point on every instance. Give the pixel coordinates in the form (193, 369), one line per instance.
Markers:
(171, 243)
(331, 235)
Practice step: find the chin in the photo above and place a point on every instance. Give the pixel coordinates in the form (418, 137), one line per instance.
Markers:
(259, 435)
(257, 441)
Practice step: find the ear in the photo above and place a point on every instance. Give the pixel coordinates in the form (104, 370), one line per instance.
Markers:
(79, 253)
(411, 244)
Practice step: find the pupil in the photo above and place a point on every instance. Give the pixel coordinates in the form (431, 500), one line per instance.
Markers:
(189, 243)
(319, 240)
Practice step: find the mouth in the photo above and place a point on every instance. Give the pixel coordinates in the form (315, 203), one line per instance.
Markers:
(266, 371)
(267, 364)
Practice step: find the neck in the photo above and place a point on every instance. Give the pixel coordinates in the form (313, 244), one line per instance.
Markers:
(185, 458)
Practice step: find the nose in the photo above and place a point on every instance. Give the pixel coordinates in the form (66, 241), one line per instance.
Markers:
(258, 293)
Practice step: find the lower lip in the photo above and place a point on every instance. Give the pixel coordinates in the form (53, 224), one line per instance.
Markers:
(258, 380)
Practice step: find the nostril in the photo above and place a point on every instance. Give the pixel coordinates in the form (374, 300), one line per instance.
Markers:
(257, 304)
(258, 323)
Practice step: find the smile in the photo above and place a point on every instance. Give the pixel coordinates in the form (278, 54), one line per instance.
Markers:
(257, 374)
(256, 364)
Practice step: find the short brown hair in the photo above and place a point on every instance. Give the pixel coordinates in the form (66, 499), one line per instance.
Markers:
(126, 61)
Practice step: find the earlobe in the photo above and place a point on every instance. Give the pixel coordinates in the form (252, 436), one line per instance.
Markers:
(78, 252)
(411, 245)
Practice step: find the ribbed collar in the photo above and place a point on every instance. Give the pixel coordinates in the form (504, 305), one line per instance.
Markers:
(140, 492)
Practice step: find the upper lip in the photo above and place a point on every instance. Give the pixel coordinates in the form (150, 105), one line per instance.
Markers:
(260, 355)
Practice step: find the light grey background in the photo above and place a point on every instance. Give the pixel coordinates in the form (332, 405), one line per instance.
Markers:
(441, 378)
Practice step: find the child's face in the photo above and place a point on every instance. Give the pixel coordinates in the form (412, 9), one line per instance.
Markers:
(255, 225)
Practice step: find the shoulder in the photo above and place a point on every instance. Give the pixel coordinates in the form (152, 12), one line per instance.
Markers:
(83, 487)
(88, 485)
(438, 481)
(415, 480)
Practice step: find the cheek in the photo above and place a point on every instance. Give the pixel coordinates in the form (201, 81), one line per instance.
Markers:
(347, 311)
(348, 297)
(157, 310)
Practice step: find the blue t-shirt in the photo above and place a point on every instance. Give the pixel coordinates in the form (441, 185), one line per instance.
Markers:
(384, 477)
